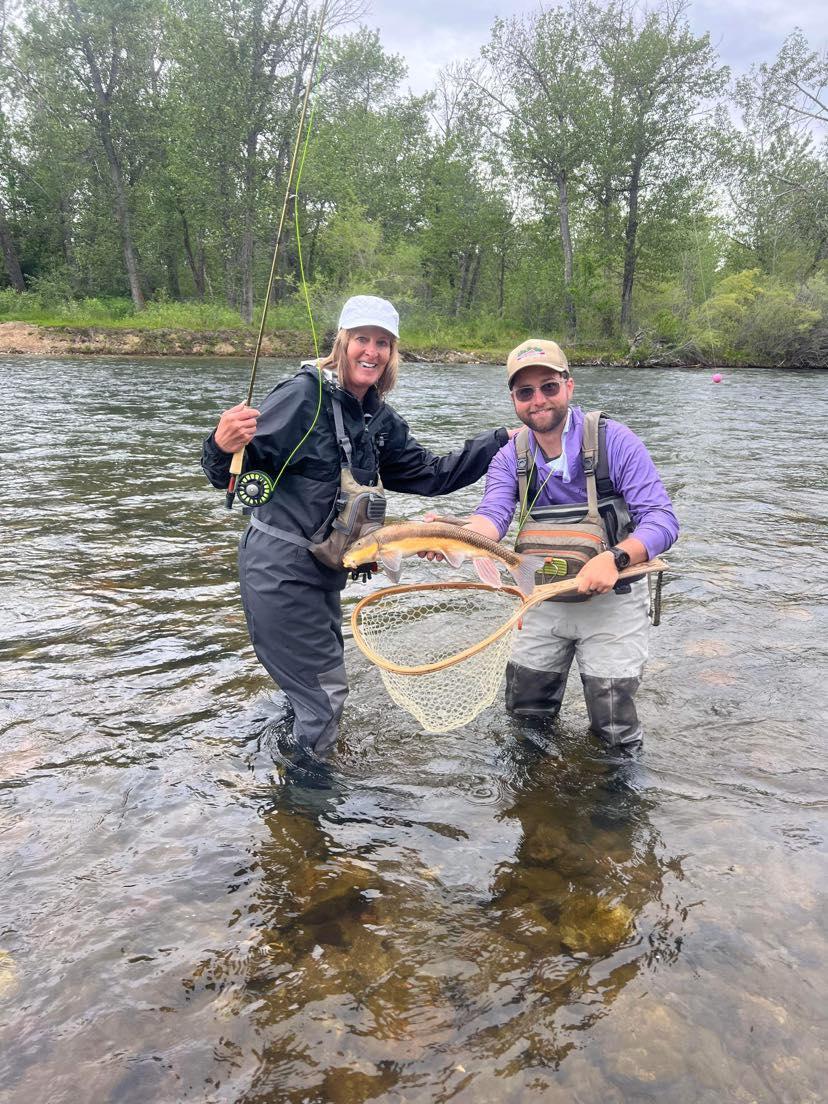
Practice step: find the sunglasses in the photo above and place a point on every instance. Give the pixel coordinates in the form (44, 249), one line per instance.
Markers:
(549, 390)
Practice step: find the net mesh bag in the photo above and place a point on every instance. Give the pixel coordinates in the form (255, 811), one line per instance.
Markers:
(442, 648)
(433, 626)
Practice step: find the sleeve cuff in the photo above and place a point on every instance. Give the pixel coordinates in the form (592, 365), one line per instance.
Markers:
(212, 448)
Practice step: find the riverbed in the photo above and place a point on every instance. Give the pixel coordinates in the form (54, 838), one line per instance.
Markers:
(498, 914)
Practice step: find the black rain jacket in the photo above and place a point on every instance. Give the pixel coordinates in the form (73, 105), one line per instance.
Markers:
(382, 444)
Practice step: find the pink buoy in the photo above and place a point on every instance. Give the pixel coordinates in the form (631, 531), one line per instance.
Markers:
(717, 378)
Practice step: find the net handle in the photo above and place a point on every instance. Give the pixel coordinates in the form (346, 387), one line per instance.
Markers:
(540, 594)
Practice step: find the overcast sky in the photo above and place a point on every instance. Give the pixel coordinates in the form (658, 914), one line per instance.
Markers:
(430, 33)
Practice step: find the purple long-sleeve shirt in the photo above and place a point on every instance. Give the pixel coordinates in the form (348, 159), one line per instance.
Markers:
(631, 470)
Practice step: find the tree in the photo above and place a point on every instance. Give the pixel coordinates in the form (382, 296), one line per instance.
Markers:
(778, 174)
(539, 81)
(662, 81)
(97, 60)
(7, 243)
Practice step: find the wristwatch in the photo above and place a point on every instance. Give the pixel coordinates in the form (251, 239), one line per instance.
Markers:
(622, 558)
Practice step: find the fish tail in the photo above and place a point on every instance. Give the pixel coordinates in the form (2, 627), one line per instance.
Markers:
(524, 573)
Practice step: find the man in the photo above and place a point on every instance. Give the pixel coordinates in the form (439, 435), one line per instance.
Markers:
(608, 633)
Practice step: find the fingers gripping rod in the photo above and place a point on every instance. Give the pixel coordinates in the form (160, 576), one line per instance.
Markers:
(237, 461)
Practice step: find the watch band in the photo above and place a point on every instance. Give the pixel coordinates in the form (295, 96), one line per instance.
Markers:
(622, 558)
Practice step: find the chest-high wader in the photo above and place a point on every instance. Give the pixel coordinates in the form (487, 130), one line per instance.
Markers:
(357, 509)
(569, 535)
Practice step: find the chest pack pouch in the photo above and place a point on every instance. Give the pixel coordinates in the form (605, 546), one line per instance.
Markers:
(569, 535)
(357, 511)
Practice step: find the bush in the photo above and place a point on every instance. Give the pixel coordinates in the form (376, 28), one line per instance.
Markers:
(754, 318)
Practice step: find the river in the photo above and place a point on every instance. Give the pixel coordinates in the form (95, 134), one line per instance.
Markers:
(471, 917)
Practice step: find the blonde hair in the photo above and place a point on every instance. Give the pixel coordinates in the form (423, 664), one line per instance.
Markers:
(337, 361)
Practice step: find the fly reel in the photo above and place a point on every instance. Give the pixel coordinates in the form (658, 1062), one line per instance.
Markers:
(254, 488)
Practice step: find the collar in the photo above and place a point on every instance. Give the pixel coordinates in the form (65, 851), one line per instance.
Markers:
(369, 405)
(566, 465)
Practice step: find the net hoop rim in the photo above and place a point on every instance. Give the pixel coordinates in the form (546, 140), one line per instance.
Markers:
(450, 661)
(540, 594)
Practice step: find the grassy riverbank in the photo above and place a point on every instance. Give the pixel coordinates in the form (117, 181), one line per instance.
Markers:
(97, 327)
(32, 325)
(26, 338)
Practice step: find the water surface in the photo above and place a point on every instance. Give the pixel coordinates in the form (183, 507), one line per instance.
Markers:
(478, 916)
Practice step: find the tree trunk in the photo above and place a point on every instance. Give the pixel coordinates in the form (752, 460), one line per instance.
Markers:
(66, 246)
(122, 213)
(196, 269)
(461, 286)
(246, 258)
(501, 282)
(630, 236)
(15, 273)
(566, 244)
(171, 265)
(104, 127)
(471, 290)
(605, 203)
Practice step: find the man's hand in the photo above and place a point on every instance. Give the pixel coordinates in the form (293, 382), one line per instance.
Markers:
(236, 428)
(476, 523)
(598, 575)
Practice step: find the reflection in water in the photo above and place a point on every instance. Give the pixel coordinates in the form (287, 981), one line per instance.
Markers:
(353, 959)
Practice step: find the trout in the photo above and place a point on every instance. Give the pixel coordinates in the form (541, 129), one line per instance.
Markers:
(388, 544)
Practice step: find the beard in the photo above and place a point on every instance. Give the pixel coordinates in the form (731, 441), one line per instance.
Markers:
(545, 421)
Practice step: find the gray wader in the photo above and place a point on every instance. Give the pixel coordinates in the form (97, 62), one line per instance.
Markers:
(296, 632)
(608, 633)
(609, 637)
(291, 598)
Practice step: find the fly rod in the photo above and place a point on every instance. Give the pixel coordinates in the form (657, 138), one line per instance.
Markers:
(237, 462)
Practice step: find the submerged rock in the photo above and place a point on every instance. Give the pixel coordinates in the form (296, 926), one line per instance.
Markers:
(9, 979)
(592, 925)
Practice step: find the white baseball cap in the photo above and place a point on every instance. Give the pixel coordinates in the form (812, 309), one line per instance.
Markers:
(369, 310)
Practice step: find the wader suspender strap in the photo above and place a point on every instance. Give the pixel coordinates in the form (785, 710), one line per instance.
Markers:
(342, 438)
(344, 442)
(522, 450)
(280, 534)
(589, 457)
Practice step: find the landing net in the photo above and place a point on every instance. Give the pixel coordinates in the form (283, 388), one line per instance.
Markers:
(431, 625)
(442, 648)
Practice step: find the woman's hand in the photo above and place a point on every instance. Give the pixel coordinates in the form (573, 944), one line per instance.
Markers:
(236, 428)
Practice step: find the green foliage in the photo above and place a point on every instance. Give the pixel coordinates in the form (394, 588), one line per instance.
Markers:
(45, 307)
(753, 318)
(567, 183)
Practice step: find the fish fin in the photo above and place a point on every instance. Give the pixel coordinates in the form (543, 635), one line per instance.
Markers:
(487, 571)
(524, 573)
(392, 565)
(454, 558)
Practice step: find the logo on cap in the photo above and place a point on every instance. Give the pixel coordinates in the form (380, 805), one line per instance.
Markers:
(533, 350)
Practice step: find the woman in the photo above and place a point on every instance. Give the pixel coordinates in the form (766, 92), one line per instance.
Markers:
(290, 597)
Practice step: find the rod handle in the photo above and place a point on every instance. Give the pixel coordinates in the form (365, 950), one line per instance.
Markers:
(236, 465)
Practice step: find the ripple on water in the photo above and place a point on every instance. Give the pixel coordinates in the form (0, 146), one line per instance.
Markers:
(507, 912)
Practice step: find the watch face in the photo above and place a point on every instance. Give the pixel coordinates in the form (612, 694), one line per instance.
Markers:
(622, 558)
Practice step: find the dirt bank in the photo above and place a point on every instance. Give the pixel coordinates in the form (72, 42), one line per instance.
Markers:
(25, 338)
